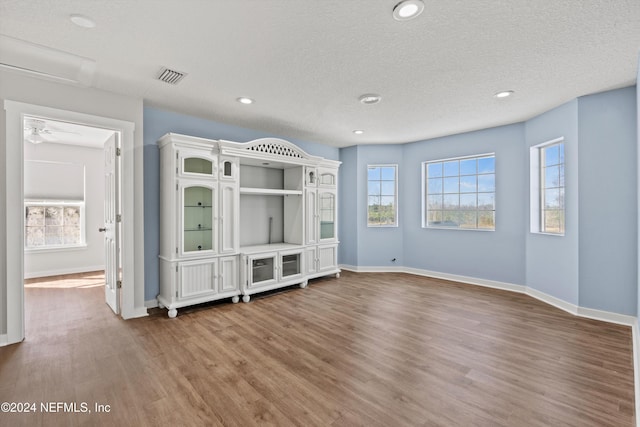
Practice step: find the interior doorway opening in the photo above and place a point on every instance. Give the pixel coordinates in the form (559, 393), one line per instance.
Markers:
(132, 301)
(70, 201)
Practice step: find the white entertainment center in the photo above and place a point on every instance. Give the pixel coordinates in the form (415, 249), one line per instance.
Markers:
(241, 218)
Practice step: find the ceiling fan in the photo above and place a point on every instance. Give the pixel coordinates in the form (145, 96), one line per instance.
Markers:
(37, 131)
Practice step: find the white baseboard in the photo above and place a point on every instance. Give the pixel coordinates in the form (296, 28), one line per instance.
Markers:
(605, 316)
(551, 300)
(62, 271)
(466, 279)
(152, 303)
(389, 269)
(4, 340)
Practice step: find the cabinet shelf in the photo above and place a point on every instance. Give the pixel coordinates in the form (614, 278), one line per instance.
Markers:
(198, 229)
(269, 191)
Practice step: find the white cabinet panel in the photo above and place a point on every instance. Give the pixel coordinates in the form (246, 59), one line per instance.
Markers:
(229, 280)
(229, 219)
(197, 278)
(311, 260)
(311, 223)
(327, 257)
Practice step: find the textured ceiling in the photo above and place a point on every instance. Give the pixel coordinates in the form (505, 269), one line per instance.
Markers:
(306, 62)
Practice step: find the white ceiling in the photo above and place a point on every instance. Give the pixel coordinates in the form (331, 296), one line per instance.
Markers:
(306, 62)
(69, 133)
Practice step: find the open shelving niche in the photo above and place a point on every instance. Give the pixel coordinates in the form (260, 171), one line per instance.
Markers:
(272, 214)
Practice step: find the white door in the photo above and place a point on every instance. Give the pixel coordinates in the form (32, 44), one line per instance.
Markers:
(111, 224)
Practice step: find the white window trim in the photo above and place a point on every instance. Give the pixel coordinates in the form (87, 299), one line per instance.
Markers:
(59, 248)
(535, 203)
(397, 208)
(424, 193)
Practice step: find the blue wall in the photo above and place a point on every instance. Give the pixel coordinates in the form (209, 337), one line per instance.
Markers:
(156, 124)
(348, 212)
(552, 261)
(608, 207)
(494, 255)
(377, 246)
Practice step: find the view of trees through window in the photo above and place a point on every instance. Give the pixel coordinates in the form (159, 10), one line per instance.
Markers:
(382, 206)
(552, 188)
(51, 225)
(460, 193)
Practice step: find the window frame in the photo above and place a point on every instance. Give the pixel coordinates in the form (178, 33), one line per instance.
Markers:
(425, 191)
(395, 195)
(80, 204)
(537, 187)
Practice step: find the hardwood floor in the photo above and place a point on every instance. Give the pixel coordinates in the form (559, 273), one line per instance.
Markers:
(381, 349)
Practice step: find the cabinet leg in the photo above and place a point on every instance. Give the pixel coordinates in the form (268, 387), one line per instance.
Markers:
(337, 275)
(235, 299)
(160, 305)
(246, 298)
(304, 284)
(173, 313)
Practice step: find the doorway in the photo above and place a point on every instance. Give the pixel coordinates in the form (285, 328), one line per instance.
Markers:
(70, 204)
(132, 293)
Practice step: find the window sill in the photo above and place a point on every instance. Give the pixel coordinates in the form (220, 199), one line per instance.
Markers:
(547, 234)
(46, 249)
(383, 226)
(484, 230)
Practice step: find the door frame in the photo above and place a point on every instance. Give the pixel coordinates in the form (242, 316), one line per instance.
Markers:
(14, 116)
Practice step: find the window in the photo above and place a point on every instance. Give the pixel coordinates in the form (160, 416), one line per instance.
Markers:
(547, 187)
(460, 193)
(382, 185)
(53, 224)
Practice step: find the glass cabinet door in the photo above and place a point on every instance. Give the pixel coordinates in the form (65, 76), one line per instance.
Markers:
(198, 219)
(328, 179)
(263, 270)
(327, 211)
(291, 265)
(197, 166)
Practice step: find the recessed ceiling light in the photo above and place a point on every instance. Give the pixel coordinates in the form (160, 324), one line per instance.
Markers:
(358, 132)
(407, 9)
(370, 98)
(503, 94)
(243, 100)
(82, 21)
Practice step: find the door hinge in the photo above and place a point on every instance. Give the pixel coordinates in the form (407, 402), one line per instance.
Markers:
(118, 151)
(118, 218)
(119, 284)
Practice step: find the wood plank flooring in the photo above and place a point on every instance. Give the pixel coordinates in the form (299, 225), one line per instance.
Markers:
(384, 349)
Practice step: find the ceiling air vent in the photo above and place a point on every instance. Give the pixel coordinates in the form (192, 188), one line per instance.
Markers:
(171, 76)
